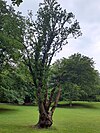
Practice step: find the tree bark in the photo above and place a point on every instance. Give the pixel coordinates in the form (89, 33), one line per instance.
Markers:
(56, 101)
(45, 120)
(45, 114)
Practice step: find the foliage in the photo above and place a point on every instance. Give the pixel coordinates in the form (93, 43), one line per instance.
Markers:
(77, 70)
(11, 35)
(14, 85)
(97, 89)
(70, 92)
(16, 2)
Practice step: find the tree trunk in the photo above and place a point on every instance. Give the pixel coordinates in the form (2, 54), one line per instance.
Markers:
(45, 113)
(45, 120)
(70, 103)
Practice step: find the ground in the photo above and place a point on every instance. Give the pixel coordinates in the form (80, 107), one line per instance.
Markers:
(78, 119)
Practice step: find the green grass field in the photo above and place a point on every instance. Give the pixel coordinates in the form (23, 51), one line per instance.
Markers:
(78, 119)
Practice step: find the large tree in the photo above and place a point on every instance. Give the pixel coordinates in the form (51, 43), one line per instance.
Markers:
(43, 39)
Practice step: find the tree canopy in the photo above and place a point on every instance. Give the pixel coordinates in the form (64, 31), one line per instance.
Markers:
(77, 77)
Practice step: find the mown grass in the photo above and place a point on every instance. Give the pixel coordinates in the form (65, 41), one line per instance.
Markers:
(78, 119)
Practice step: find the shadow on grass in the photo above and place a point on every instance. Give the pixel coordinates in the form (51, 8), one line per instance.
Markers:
(77, 105)
(26, 128)
(52, 128)
(4, 110)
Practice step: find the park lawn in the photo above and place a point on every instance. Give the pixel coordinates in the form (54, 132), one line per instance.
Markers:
(78, 119)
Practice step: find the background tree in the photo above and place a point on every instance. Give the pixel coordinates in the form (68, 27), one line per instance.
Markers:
(12, 85)
(43, 39)
(71, 92)
(77, 76)
(97, 88)
(83, 74)
(16, 85)
(11, 35)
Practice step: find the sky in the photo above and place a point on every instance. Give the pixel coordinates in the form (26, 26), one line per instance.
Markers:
(87, 12)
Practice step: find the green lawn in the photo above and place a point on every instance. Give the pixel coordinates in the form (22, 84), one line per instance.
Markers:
(78, 119)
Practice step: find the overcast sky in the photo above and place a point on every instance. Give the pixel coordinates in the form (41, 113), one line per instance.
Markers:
(87, 12)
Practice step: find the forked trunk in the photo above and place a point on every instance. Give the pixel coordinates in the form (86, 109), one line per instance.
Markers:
(45, 120)
(45, 113)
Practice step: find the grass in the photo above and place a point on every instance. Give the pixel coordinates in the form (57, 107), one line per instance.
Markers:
(81, 118)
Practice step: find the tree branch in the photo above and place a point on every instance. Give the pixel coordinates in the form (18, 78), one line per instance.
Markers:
(56, 101)
(51, 97)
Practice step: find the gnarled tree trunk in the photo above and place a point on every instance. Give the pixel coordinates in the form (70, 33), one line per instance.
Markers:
(45, 120)
(46, 111)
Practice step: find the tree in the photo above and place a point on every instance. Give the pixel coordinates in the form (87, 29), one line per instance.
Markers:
(82, 73)
(71, 92)
(97, 88)
(77, 76)
(43, 39)
(58, 72)
(16, 85)
(11, 38)
(11, 35)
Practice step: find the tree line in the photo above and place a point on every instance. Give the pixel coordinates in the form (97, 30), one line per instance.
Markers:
(76, 74)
